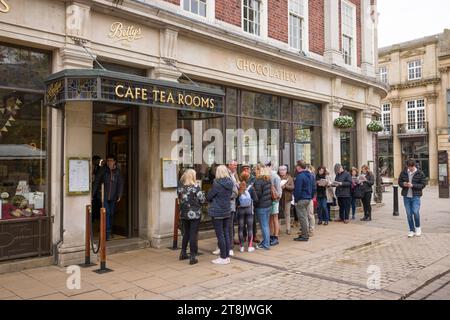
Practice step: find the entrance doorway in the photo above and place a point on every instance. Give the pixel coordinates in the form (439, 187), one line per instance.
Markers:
(114, 133)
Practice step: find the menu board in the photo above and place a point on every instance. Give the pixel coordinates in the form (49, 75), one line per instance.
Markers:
(78, 177)
(169, 173)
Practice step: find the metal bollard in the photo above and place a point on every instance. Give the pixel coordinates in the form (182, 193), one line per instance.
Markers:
(103, 268)
(176, 223)
(396, 213)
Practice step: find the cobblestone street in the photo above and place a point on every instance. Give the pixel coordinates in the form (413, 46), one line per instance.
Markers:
(339, 262)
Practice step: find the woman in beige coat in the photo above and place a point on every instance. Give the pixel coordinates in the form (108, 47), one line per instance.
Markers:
(287, 187)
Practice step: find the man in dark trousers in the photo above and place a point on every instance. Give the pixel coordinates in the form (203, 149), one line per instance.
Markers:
(112, 180)
(303, 194)
(412, 181)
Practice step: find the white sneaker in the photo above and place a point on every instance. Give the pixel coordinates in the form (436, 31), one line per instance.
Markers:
(216, 252)
(231, 253)
(418, 232)
(251, 249)
(241, 249)
(411, 234)
(221, 261)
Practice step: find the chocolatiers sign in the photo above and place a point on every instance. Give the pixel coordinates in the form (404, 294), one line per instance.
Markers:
(114, 87)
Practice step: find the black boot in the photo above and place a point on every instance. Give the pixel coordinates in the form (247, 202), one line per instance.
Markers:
(183, 256)
(193, 259)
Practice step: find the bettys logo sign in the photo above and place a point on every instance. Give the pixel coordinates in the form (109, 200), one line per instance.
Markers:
(4, 6)
(121, 32)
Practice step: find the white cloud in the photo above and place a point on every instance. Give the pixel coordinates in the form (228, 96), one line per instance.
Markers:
(404, 20)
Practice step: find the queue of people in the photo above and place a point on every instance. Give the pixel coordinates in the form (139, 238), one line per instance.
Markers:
(260, 195)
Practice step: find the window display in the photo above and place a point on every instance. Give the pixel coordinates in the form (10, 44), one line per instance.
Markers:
(22, 155)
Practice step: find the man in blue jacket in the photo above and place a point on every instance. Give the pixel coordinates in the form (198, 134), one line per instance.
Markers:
(303, 194)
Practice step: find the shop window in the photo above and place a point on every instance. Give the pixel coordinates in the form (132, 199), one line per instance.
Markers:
(306, 113)
(260, 105)
(23, 156)
(23, 68)
(307, 144)
(231, 101)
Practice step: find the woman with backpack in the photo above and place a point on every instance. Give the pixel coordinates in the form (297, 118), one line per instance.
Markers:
(191, 198)
(246, 197)
(367, 182)
(263, 206)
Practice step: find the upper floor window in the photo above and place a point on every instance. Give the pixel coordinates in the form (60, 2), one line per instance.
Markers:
(195, 6)
(415, 70)
(296, 24)
(252, 16)
(348, 20)
(386, 116)
(384, 75)
(416, 114)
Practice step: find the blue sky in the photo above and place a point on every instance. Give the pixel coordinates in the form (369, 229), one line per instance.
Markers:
(403, 20)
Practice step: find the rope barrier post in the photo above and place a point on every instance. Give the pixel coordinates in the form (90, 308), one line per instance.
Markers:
(103, 268)
(87, 254)
(176, 225)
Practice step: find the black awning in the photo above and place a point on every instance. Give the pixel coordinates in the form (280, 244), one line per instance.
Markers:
(120, 88)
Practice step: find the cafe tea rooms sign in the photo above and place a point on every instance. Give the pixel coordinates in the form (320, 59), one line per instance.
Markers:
(4, 6)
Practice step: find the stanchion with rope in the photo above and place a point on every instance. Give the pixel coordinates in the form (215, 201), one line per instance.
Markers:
(89, 239)
(103, 268)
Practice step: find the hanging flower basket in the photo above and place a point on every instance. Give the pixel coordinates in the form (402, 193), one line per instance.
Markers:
(344, 122)
(375, 126)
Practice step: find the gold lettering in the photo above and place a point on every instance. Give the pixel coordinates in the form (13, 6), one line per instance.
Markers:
(137, 93)
(170, 98)
(205, 102)
(119, 32)
(117, 91)
(212, 103)
(240, 64)
(186, 98)
(144, 94)
(197, 101)
(163, 97)
(5, 8)
(180, 99)
(155, 95)
(129, 93)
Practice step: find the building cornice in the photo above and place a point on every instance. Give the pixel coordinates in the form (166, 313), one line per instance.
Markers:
(152, 14)
(415, 84)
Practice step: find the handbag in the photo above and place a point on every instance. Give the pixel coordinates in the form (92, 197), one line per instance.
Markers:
(358, 193)
(274, 193)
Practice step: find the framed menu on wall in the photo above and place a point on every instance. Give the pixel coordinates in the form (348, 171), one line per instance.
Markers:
(78, 176)
(169, 175)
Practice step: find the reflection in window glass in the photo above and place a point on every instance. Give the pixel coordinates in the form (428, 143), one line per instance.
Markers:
(306, 113)
(23, 68)
(23, 157)
(231, 101)
(260, 105)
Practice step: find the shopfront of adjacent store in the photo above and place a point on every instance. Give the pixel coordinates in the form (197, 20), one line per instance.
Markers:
(72, 88)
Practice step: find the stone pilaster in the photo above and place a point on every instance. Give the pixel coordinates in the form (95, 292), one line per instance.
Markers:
(432, 116)
(395, 116)
(368, 28)
(332, 54)
(168, 46)
(331, 135)
(365, 139)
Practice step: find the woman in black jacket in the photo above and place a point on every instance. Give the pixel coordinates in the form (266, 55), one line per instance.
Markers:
(191, 199)
(367, 181)
(343, 182)
(263, 205)
(219, 210)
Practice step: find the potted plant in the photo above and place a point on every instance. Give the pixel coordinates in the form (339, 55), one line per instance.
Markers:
(375, 126)
(344, 122)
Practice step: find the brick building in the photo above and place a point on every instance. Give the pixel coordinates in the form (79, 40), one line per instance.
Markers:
(291, 65)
